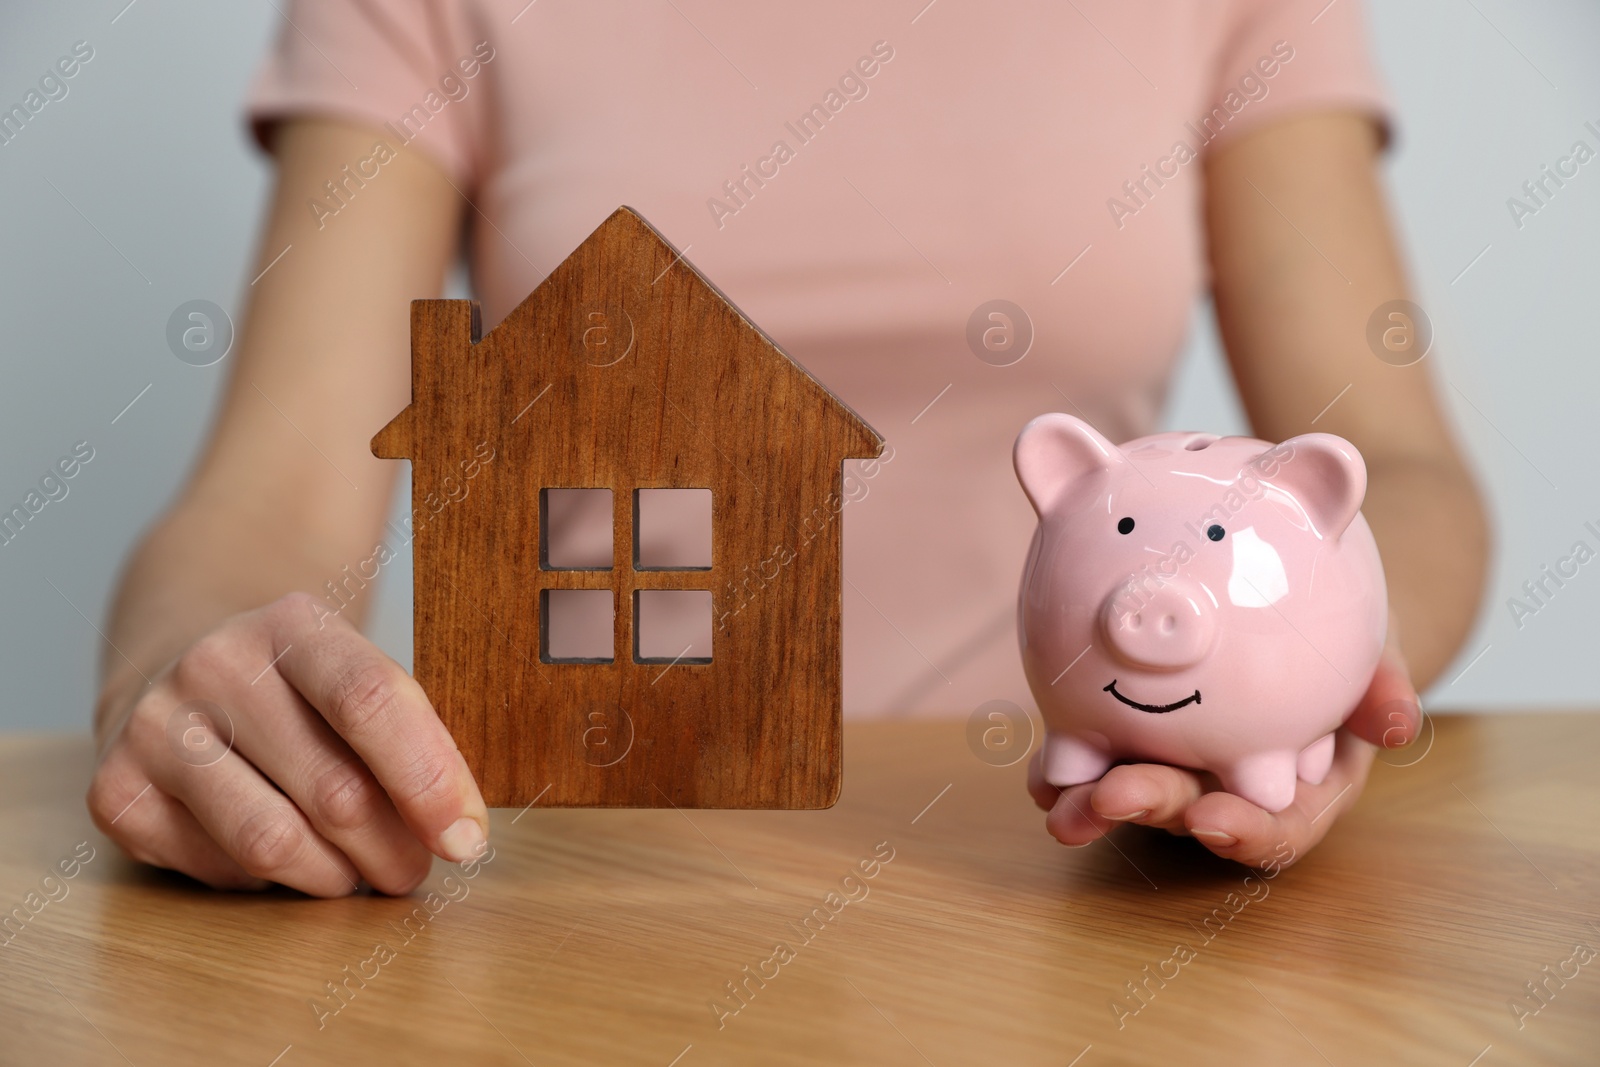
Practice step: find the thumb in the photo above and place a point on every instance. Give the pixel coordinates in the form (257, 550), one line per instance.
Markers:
(1390, 712)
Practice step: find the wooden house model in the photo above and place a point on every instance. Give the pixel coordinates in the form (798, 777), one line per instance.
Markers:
(626, 381)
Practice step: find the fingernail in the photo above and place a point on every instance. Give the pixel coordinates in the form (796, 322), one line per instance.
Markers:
(463, 841)
(1141, 813)
(1216, 836)
(1413, 720)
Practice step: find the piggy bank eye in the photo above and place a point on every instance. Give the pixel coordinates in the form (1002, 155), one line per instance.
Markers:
(1125, 526)
(1215, 532)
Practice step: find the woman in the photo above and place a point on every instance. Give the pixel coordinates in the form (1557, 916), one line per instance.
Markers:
(863, 180)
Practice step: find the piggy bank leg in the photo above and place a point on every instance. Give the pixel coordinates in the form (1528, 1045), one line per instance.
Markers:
(1265, 779)
(1070, 760)
(1315, 759)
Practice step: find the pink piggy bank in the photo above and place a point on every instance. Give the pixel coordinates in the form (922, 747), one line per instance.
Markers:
(1205, 602)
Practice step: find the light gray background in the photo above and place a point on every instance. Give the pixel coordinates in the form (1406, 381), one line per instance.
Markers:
(138, 191)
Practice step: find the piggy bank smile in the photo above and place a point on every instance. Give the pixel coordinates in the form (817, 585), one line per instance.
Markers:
(1154, 709)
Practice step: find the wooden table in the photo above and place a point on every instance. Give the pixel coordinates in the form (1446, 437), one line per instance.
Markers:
(603, 937)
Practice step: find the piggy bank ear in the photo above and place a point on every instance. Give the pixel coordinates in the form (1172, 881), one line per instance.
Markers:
(1063, 463)
(1324, 474)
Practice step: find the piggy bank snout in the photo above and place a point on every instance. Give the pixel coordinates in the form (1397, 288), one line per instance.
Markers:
(1169, 628)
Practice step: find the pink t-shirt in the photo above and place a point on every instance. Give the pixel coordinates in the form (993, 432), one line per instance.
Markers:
(860, 177)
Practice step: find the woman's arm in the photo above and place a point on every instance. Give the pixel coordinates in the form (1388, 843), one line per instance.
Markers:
(1302, 255)
(285, 495)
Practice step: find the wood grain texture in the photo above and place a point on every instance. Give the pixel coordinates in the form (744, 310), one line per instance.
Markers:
(625, 369)
(603, 937)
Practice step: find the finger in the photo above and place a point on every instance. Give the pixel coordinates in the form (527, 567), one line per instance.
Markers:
(294, 747)
(1151, 794)
(1072, 821)
(258, 826)
(1390, 713)
(1233, 827)
(1044, 794)
(155, 829)
(387, 719)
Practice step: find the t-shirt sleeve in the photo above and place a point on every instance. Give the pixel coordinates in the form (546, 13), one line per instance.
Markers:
(1283, 57)
(410, 69)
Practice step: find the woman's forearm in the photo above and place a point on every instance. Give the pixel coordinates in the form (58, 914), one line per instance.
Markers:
(1297, 334)
(1429, 521)
(199, 564)
(286, 492)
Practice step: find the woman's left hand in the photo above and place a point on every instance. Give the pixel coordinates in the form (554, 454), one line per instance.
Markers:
(1187, 802)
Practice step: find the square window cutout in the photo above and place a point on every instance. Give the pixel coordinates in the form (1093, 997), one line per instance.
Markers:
(672, 529)
(575, 529)
(672, 625)
(576, 626)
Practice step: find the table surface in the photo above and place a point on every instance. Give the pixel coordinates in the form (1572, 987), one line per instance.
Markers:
(605, 937)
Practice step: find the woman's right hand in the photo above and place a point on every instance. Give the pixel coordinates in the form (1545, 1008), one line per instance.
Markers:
(284, 747)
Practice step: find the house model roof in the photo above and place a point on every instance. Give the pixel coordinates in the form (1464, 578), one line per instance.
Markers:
(617, 269)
